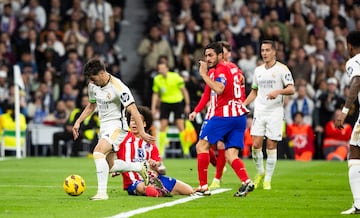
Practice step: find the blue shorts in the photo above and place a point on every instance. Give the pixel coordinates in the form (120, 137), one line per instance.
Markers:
(167, 182)
(132, 188)
(230, 130)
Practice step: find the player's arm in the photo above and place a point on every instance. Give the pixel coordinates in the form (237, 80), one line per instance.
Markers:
(218, 87)
(185, 93)
(202, 103)
(139, 123)
(353, 93)
(154, 102)
(251, 97)
(288, 90)
(88, 110)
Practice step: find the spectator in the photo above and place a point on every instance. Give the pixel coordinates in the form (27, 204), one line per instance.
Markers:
(8, 21)
(301, 138)
(4, 89)
(300, 103)
(152, 47)
(336, 141)
(101, 10)
(325, 106)
(59, 116)
(36, 12)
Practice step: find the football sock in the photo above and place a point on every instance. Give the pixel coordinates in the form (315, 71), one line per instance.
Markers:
(240, 170)
(270, 163)
(258, 158)
(122, 166)
(203, 160)
(102, 171)
(185, 144)
(212, 156)
(162, 143)
(220, 163)
(354, 180)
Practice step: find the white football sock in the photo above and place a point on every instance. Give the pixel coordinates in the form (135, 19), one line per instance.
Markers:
(122, 166)
(354, 180)
(270, 163)
(258, 158)
(102, 171)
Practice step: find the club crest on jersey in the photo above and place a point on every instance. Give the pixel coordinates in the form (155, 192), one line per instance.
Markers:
(108, 95)
(125, 97)
(141, 153)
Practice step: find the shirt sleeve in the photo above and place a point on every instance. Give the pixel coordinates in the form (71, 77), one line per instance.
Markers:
(204, 99)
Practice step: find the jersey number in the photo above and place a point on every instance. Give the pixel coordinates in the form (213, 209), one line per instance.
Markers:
(237, 86)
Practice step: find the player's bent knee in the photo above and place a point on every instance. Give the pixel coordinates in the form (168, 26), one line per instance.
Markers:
(98, 155)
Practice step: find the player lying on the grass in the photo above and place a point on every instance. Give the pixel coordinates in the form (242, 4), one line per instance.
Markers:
(135, 149)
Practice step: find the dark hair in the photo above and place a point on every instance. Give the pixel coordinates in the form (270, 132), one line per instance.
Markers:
(146, 113)
(226, 45)
(297, 113)
(353, 38)
(271, 42)
(93, 67)
(216, 46)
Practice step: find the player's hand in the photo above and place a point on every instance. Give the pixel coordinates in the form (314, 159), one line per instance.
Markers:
(187, 109)
(339, 121)
(272, 95)
(203, 68)
(148, 138)
(75, 130)
(192, 116)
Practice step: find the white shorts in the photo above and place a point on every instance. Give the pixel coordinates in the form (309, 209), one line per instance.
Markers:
(113, 134)
(269, 124)
(355, 135)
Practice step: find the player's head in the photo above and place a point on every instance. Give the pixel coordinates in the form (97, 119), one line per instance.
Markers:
(95, 71)
(268, 50)
(163, 68)
(226, 49)
(213, 54)
(353, 42)
(146, 116)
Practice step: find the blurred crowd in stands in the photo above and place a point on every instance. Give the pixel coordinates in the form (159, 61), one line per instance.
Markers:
(51, 40)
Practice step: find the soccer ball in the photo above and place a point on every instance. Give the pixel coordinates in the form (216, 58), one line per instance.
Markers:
(74, 185)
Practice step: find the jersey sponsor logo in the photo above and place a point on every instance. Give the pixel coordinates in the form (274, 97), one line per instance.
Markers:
(125, 97)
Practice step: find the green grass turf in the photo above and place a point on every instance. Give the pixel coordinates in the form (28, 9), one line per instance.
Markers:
(32, 187)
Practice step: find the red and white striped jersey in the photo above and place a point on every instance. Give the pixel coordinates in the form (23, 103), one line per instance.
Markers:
(229, 103)
(134, 149)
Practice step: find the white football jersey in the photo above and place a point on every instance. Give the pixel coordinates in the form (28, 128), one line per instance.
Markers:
(353, 68)
(268, 80)
(111, 101)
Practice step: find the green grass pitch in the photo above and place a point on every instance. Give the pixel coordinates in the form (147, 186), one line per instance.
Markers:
(32, 187)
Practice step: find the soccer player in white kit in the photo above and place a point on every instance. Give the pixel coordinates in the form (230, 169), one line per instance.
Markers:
(353, 71)
(111, 98)
(271, 81)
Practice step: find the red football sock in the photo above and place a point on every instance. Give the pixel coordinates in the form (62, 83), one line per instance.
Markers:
(203, 160)
(212, 156)
(239, 168)
(220, 163)
(151, 191)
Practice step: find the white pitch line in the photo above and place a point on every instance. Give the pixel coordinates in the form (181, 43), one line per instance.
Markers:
(167, 204)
